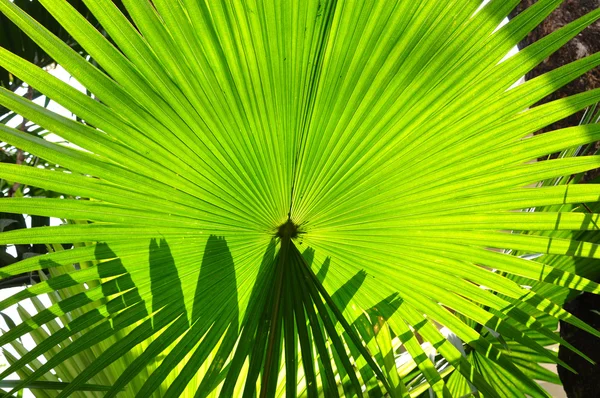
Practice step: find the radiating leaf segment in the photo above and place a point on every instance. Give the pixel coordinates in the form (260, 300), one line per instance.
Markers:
(286, 197)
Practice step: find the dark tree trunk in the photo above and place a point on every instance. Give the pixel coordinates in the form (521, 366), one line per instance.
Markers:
(587, 382)
(586, 43)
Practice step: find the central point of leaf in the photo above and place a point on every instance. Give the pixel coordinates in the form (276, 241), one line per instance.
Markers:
(287, 230)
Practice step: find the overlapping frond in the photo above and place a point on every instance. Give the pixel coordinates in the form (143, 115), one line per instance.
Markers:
(275, 198)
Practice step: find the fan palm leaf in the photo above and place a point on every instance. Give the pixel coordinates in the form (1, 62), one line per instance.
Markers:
(278, 191)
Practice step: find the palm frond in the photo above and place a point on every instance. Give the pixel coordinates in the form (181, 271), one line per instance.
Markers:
(274, 197)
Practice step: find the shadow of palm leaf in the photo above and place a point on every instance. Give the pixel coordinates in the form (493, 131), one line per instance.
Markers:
(199, 332)
(208, 323)
(168, 319)
(103, 319)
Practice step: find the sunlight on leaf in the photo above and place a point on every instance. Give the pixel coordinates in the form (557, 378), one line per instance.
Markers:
(298, 198)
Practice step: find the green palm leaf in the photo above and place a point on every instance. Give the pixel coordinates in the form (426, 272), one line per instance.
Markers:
(282, 195)
(16, 41)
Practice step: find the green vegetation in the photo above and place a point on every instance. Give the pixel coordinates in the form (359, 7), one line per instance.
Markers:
(282, 198)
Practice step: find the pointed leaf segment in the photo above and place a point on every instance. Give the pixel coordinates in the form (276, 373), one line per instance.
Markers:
(299, 198)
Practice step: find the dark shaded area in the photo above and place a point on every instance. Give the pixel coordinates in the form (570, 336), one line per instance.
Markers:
(11, 222)
(300, 313)
(217, 279)
(287, 229)
(253, 319)
(121, 284)
(208, 324)
(14, 40)
(291, 314)
(363, 324)
(586, 383)
(164, 283)
(585, 306)
(124, 310)
(168, 297)
(314, 313)
(584, 44)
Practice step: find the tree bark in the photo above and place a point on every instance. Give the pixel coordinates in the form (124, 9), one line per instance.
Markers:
(586, 43)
